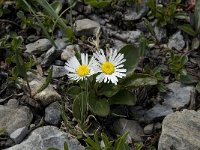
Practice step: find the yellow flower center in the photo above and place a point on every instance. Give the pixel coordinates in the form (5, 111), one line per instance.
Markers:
(83, 70)
(108, 67)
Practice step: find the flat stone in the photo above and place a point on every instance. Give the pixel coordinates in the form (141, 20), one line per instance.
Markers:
(69, 51)
(157, 112)
(53, 114)
(86, 27)
(38, 47)
(48, 137)
(59, 71)
(12, 119)
(53, 53)
(48, 95)
(121, 126)
(179, 96)
(176, 41)
(13, 103)
(148, 129)
(130, 36)
(180, 131)
(19, 134)
(137, 112)
(117, 44)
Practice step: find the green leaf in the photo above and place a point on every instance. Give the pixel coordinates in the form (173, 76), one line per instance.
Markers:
(98, 3)
(108, 144)
(132, 56)
(80, 107)
(187, 79)
(20, 15)
(51, 148)
(51, 12)
(139, 80)
(16, 43)
(188, 29)
(73, 91)
(197, 16)
(123, 97)
(100, 107)
(139, 146)
(121, 143)
(39, 22)
(149, 27)
(109, 90)
(21, 69)
(198, 87)
(143, 45)
(57, 6)
(66, 146)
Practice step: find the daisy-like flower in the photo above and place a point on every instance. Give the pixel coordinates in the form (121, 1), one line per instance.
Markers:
(79, 71)
(111, 67)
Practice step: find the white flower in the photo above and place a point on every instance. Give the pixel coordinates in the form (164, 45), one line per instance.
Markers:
(79, 71)
(111, 67)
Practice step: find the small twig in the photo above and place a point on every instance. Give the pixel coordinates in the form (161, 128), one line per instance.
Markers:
(9, 21)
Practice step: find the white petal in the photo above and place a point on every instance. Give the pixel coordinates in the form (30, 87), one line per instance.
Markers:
(86, 59)
(82, 58)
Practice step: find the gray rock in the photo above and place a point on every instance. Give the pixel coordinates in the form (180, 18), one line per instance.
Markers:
(148, 129)
(48, 136)
(59, 63)
(53, 53)
(176, 41)
(12, 119)
(130, 36)
(47, 58)
(133, 13)
(122, 126)
(38, 47)
(59, 71)
(157, 112)
(117, 44)
(97, 19)
(158, 126)
(195, 43)
(142, 27)
(32, 38)
(86, 27)
(69, 51)
(53, 114)
(13, 103)
(160, 33)
(179, 96)
(19, 134)
(48, 95)
(180, 131)
(137, 112)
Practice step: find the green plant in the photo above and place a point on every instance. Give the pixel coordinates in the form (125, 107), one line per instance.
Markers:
(197, 17)
(47, 18)
(177, 64)
(14, 45)
(19, 65)
(164, 14)
(97, 97)
(98, 3)
(94, 144)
